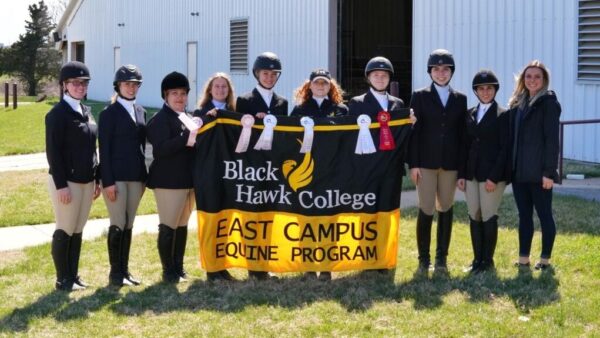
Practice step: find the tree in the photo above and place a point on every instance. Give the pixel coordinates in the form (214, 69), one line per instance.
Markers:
(32, 58)
(57, 9)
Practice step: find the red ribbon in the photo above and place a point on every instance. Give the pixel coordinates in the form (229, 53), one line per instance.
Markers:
(386, 140)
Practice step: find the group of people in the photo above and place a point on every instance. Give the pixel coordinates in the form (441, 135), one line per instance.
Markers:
(479, 150)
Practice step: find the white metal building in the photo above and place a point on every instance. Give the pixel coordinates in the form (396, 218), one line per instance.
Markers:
(201, 37)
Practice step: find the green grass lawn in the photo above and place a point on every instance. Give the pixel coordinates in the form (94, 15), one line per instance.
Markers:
(578, 167)
(24, 199)
(560, 303)
(22, 130)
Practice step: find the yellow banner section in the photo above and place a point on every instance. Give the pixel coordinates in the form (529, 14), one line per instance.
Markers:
(287, 242)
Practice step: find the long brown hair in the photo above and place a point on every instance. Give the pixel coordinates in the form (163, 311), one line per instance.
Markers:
(303, 93)
(520, 95)
(207, 96)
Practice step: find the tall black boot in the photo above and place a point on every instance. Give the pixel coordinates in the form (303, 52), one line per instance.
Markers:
(166, 239)
(444, 232)
(128, 279)
(476, 228)
(114, 241)
(424, 240)
(179, 251)
(60, 255)
(74, 253)
(490, 238)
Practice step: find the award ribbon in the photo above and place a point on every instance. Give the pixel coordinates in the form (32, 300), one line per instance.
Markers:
(309, 134)
(244, 140)
(386, 140)
(265, 140)
(364, 144)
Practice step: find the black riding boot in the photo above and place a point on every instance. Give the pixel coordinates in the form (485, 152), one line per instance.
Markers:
(74, 253)
(490, 237)
(114, 242)
(179, 251)
(128, 279)
(476, 228)
(219, 275)
(424, 240)
(166, 239)
(444, 232)
(60, 255)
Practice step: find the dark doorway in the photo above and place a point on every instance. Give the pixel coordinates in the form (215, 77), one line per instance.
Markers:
(374, 28)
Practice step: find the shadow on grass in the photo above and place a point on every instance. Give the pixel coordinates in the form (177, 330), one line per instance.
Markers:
(355, 292)
(524, 290)
(47, 305)
(82, 307)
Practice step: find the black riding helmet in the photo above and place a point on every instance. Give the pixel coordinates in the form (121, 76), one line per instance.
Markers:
(268, 61)
(127, 73)
(379, 63)
(174, 80)
(73, 70)
(485, 77)
(440, 57)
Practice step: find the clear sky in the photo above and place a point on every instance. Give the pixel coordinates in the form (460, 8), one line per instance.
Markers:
(13, 14)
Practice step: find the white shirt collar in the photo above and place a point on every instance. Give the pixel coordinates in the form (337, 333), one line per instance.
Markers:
(319, 100)
(219, 104)
(128, 105)
(74, 103)
(267, 94)
(381, 98)
(443, 89)
(483, 108)
(443, 92)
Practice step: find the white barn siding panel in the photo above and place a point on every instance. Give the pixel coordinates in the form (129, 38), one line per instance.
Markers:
(504, 36)
(155, 39)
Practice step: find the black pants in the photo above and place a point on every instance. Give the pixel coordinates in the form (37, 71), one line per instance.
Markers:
(527, 197)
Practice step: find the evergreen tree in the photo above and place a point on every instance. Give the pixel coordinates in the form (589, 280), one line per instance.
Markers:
(33, 57)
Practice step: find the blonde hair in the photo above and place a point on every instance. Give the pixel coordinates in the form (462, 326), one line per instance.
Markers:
(303, 93)
(207, 96)
(520, 96)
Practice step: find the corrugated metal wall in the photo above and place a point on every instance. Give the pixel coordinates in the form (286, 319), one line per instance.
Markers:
(504, 36)
(156, 33)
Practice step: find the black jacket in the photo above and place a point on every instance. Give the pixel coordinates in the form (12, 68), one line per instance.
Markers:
(438, 137)
(71, 144)
(252, 103)
(173, 160)
(208, 107)
(487, 145)
(534, 142)
(312, 109)
(368, 104)
(122, 143)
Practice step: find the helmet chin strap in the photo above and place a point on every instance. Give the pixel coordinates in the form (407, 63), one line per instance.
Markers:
(377, 90)
(439, 84)
(477, 96)
(260, 84)
(125, 98)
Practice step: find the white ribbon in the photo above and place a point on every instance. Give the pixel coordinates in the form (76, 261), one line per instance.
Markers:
(189, 122)
(309, 133)
(266, 137)
(364, 144)
(244, 140)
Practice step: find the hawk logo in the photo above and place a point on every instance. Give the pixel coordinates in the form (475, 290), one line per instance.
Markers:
(298, 176)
